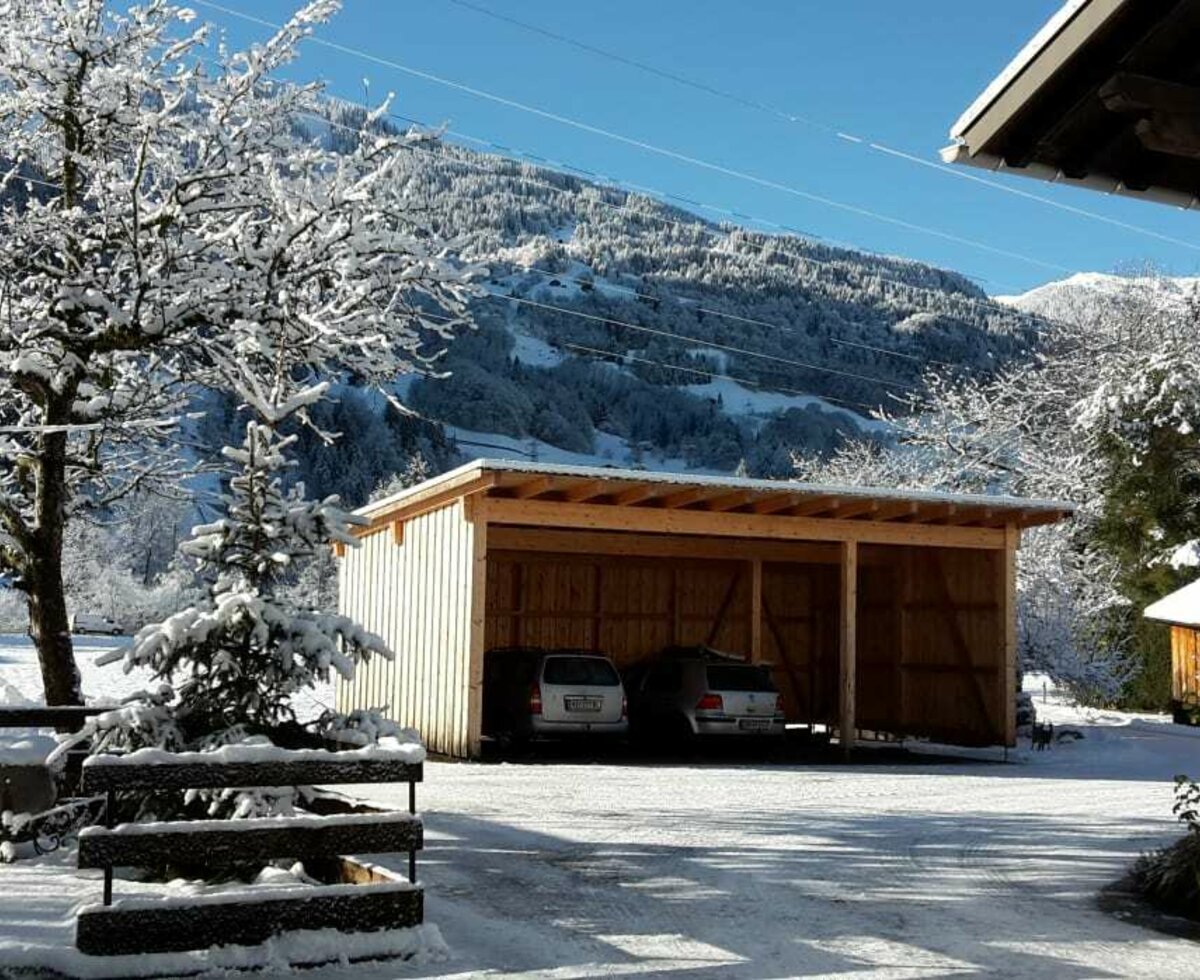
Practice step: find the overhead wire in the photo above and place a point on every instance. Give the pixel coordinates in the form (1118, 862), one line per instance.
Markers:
(646, 145)
(866, 142)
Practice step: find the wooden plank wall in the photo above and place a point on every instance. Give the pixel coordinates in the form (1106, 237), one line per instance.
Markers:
(800, 637)
(1185, 663)
(931, 644)
(628, 607)
(417, 596)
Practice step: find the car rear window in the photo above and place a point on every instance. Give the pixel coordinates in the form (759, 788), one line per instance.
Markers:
(588, 671)
(738, 677)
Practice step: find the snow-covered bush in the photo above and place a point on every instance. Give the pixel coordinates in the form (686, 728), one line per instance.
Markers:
(14, 612)
(1170, 877)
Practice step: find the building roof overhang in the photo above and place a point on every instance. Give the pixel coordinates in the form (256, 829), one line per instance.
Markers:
(1106, 96)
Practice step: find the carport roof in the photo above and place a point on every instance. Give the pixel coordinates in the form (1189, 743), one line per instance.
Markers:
(657, 491)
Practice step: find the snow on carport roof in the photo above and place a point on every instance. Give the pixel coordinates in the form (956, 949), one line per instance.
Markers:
(507, 475)
(1180, 608)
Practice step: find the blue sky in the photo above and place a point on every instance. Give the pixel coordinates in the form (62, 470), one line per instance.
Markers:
(895, 72)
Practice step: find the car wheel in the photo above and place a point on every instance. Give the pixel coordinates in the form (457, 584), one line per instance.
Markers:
(116, 632)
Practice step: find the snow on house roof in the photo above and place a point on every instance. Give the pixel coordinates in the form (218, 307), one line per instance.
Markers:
(1180, 608)
(626, 487)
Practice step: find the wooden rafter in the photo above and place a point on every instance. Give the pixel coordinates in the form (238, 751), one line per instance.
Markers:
(685, 498)
(772, 505)
(532, 488)
(855, 508)
(728, 501)
(892, 511)
(636, 494)
(588, 490)
(817, 505)
(930, 513)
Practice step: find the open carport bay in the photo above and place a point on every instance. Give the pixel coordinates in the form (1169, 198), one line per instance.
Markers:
(871, 871)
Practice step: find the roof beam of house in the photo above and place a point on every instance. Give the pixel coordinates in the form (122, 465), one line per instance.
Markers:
(532, 488)
(772, 505)
(587, 490)
(855, 508)
(891, 511)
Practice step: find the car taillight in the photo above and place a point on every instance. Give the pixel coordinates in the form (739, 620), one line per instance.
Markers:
(710, 702)
(624, 706)
(535, 700)
(778, 704)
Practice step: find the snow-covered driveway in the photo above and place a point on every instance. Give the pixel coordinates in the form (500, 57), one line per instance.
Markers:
(909, 871)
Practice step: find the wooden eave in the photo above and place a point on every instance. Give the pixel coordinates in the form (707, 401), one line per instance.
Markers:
(1109, 102)
(669, 503)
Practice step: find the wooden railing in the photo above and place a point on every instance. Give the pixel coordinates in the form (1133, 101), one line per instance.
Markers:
(253, 915)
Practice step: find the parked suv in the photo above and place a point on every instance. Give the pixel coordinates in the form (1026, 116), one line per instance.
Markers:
(686, 692)
(533, 693)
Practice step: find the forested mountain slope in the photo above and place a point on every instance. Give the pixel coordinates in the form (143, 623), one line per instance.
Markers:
(619, 329)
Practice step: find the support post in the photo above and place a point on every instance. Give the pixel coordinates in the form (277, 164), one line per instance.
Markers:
(1007, 603)
(848, 642)
(756, 611)
(478, 624)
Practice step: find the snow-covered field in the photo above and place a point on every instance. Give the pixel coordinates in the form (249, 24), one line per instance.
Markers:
(922, 869)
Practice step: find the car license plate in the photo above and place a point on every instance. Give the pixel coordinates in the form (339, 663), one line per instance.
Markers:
(754, 725)
(582, 704)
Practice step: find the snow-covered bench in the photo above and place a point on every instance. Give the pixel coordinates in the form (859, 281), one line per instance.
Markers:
(249, 916)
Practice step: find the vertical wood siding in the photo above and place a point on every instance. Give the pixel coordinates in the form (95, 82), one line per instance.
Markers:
(417, 596)
(1185, 663)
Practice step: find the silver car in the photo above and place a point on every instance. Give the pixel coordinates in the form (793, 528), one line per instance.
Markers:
(531, 693)
(699, 692)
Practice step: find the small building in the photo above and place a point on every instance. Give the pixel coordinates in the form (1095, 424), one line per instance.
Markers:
(876, 610)
(1106, 96)
(1181, 611)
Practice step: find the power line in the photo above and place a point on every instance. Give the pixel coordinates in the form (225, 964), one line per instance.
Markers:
(646, 145)
(697, 226)
(728, 348)
(863, 141)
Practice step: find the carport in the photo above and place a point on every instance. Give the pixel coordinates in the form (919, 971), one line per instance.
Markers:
(881, 611)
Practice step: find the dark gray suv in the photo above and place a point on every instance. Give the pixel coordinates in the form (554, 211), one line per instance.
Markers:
(696, 691)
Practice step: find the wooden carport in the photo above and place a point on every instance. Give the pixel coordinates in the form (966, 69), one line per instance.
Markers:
(882, 610)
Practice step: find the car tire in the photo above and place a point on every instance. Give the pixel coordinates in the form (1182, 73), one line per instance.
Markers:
(115, 633)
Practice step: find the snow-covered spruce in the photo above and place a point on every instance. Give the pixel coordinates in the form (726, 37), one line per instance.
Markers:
(164, 225)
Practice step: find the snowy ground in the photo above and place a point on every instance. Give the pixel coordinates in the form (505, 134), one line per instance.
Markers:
(925, 869)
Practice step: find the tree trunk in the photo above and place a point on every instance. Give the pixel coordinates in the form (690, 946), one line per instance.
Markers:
(48, 624)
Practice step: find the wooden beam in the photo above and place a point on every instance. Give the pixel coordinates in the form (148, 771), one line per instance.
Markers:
(339, 549)
(817, 505)
(538, 513)
(397, 532)
(854, 508)
(928, 513)
(1130, 92)
(532, 488)
(685, 497)
(756, 610)
(728, 501)
(580, 492)
(477, 638)
(1006, 590)
(636, 494)
(772, 505)
(972, 515)
(423, 500)
(889, 512)
(847, 643)
(604, 543)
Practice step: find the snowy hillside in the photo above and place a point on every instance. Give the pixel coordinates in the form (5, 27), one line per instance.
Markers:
(1085, 296)
(619, 329)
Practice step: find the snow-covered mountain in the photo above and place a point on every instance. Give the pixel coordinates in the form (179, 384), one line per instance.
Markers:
(618, 329)
(1086, 296)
